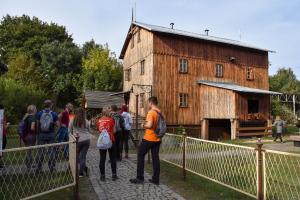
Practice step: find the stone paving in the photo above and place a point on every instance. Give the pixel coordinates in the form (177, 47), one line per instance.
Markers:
(121, 188)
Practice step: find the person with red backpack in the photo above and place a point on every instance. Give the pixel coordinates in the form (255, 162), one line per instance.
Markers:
(46, 121)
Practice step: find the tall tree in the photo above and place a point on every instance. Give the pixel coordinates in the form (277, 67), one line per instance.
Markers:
(28, 35)
(102, 70)
(285, 81)
(60, 69)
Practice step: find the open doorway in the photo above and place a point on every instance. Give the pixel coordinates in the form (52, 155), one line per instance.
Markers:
(219, 129)
(253, 106)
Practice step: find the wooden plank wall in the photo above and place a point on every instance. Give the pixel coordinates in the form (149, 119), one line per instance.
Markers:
(205, 55)
(217, 103)
(202, 58)
(142, 50)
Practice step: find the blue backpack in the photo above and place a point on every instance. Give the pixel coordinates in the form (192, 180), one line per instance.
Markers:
(22, 128)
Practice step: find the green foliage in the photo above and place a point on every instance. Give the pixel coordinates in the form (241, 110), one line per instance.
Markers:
(28, 35)
(44, 62)
(283, 111)
(179, 130)
(101, 70)
(60, 69)
(285, 81)
(16, 96)
(23, 69)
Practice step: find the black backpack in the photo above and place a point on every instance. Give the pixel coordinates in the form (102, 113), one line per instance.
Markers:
(161, 127)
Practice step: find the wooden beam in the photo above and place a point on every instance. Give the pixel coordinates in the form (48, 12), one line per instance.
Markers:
(204, 129)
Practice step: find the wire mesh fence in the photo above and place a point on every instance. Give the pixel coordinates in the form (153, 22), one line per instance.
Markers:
(230, 165)
(171, 149)
(258, 173)
(35, 170)
(282, 175)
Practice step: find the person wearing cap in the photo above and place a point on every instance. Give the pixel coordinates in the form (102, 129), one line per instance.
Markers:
(46, 121)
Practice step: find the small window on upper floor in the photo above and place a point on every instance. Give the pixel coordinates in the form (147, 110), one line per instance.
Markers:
(142, 67)
(183, 66)
(128, 75)
(139, 36)
(249, 73)
(219, 71)
(142, 100)
(132, 41)
(183, 100)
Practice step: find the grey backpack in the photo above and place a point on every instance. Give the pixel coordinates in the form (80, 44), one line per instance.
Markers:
(46, 121)
(161, 128)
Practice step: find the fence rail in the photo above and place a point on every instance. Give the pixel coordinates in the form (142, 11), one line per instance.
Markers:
(258, 173)
(33, 171)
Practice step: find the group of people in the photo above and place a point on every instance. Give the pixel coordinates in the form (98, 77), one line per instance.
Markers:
(41, 127)
(118, 126)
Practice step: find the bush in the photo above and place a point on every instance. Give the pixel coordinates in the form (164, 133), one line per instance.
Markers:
(283, 111)
(15, 97)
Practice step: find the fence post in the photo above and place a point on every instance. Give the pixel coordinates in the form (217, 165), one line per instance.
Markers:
(184, 155)
(259, 150)
(76, 188)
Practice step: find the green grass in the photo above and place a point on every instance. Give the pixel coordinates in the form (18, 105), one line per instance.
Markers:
(195, 187)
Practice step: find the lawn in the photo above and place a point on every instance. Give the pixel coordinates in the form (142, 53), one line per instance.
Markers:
(195, 187)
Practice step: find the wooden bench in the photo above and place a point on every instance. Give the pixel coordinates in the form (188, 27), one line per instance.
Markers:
(296, 140)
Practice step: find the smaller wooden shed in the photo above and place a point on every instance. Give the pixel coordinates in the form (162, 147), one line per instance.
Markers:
(95, 101)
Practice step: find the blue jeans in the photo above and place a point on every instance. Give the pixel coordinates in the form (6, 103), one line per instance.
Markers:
(63, 136)
(83, 148)
(45, 138)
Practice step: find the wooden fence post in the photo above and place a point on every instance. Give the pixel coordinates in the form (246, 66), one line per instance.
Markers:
(184, 155)
(259, 150)
(76, 188)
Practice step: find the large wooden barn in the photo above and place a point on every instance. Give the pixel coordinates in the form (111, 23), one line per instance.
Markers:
(217, 87)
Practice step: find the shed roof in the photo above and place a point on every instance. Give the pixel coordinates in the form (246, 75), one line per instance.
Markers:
(161, 29)
(237, 88)
(101, 99)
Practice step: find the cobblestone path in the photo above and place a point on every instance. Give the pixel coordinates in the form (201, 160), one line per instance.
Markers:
(121, 188)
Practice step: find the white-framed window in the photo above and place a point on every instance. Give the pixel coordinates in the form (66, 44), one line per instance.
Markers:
(183, 100)
(249, 73)
(219, 71)
(142, 67)
(183, 65)
(142, 100)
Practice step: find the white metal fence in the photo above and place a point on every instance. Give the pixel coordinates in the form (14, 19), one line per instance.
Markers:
(274, 177)
(33, 171)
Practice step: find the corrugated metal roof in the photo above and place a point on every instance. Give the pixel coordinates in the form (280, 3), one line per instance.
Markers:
(101, 99)
(238, 88)
(162, 29)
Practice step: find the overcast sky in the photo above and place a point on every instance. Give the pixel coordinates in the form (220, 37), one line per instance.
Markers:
(271, 24)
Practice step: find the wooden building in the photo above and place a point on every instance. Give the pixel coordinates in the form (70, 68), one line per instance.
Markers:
(218, 86)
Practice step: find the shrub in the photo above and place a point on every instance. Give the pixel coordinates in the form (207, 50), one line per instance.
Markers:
(16, 96)
(283, 111)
